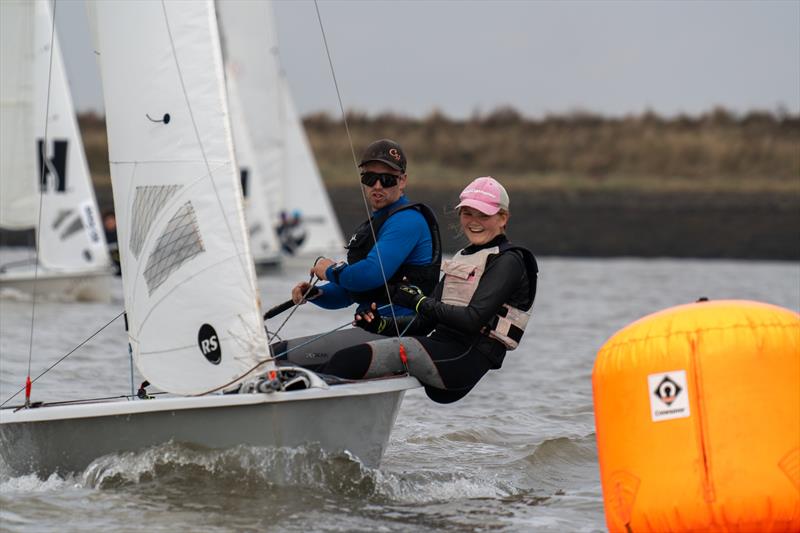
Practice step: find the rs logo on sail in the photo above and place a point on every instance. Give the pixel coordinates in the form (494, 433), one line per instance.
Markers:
(209, 344)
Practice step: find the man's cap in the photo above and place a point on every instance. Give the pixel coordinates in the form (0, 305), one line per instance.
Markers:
(486, 195)
(386, 151)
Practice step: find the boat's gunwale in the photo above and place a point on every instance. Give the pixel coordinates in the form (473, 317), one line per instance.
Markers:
(133, 407)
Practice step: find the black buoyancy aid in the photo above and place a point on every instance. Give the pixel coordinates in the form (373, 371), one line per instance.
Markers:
(423, 276)
(462, 277)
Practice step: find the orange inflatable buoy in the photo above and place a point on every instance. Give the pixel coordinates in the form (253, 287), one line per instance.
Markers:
(697, 410)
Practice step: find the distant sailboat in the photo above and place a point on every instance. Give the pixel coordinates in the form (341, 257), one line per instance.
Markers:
(192, 309)
(260, 219)
(73, 259)
(293, 183)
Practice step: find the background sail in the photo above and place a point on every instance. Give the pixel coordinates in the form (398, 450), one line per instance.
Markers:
(19, 195)
(251, 51)
(260, 219)
(293, 181)
(71, 236)
(189, 283)
(304, 189)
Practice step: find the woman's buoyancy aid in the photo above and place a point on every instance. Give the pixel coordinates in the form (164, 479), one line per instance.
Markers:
(423, 276)
(463, 273)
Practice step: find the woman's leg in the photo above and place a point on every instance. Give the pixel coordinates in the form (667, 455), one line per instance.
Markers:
(382, 358)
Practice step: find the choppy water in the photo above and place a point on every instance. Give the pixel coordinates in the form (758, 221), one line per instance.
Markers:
(517, 454)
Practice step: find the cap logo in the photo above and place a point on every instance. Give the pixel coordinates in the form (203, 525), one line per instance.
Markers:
(395, 154)
(478, 191)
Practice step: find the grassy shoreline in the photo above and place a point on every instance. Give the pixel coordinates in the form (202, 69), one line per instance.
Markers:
(713, 185)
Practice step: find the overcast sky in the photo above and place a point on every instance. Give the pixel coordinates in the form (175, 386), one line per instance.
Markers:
(540, 57)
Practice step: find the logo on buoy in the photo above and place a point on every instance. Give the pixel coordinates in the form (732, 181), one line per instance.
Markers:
(667, 391)
(209, 345)
(669, 397)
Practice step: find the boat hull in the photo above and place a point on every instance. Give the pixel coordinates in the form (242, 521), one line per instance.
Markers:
(357, 418)
(92, 286)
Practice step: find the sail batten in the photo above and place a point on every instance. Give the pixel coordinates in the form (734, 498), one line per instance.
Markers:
(188, 276)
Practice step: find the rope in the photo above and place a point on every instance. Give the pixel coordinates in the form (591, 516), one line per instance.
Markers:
(312, 283)
(64, 357)
(274, 357)
(43, 184)
(355, 163)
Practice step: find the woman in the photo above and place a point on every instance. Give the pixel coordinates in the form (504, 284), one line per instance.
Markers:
(476, 313)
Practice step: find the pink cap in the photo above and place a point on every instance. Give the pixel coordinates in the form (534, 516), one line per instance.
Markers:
(484, 194)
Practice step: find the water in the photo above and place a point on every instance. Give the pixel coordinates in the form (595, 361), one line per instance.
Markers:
(517, 454)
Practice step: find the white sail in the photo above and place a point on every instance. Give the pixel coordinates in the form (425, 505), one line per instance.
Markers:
(304, 189)
(19, 193)
(71, 237)
(36, 103)
(251, 51)
(189, 282)
(292, 179)
(260, 219)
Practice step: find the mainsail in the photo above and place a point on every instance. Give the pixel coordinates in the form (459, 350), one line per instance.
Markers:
(292, 179)
(193, 313)
(37, 104)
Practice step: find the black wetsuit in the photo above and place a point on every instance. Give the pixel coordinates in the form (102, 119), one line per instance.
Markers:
(455, 354)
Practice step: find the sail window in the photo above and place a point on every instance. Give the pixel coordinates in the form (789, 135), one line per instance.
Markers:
(179, 243)
(149, 201)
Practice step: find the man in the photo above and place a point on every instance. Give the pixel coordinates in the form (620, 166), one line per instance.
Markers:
(408, 248)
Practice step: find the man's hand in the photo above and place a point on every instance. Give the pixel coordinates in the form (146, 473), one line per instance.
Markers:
(321, 266)
(301, 289)
(370, 320)
(407, 296)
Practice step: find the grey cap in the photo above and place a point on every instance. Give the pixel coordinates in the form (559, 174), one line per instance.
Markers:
(386, 151)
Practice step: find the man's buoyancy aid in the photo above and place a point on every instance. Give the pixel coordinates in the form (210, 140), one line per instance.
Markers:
(463, 273)
(423, 276)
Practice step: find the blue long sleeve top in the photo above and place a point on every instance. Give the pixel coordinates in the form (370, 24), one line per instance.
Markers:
(404, 239)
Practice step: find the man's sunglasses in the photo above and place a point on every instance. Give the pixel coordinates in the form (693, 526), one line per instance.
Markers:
(387, 180)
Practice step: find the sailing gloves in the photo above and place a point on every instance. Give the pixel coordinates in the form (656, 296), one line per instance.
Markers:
(408, 296)
(376, 325)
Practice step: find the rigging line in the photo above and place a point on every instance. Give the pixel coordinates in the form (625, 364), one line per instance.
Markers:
(312, 283)
(42, 186)
(200, 144)
(64, 356)
(355, 163)
(272, 358)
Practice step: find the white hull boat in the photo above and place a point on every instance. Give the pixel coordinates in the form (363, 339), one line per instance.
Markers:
(356, 418)
(88, 286)
(192, 309)
(42, 163)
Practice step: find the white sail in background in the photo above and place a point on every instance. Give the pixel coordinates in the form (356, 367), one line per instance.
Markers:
(304, 189)
(19, 191)
(194, 319)
(260, 219)
(71, 236)
(35, 91)
(251, 52)
(293, 181)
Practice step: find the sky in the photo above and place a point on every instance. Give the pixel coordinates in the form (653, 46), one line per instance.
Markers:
(460, 57)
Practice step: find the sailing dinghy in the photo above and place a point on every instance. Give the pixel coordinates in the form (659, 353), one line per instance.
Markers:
(191, 302)
(41, 154)
(292, 182)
